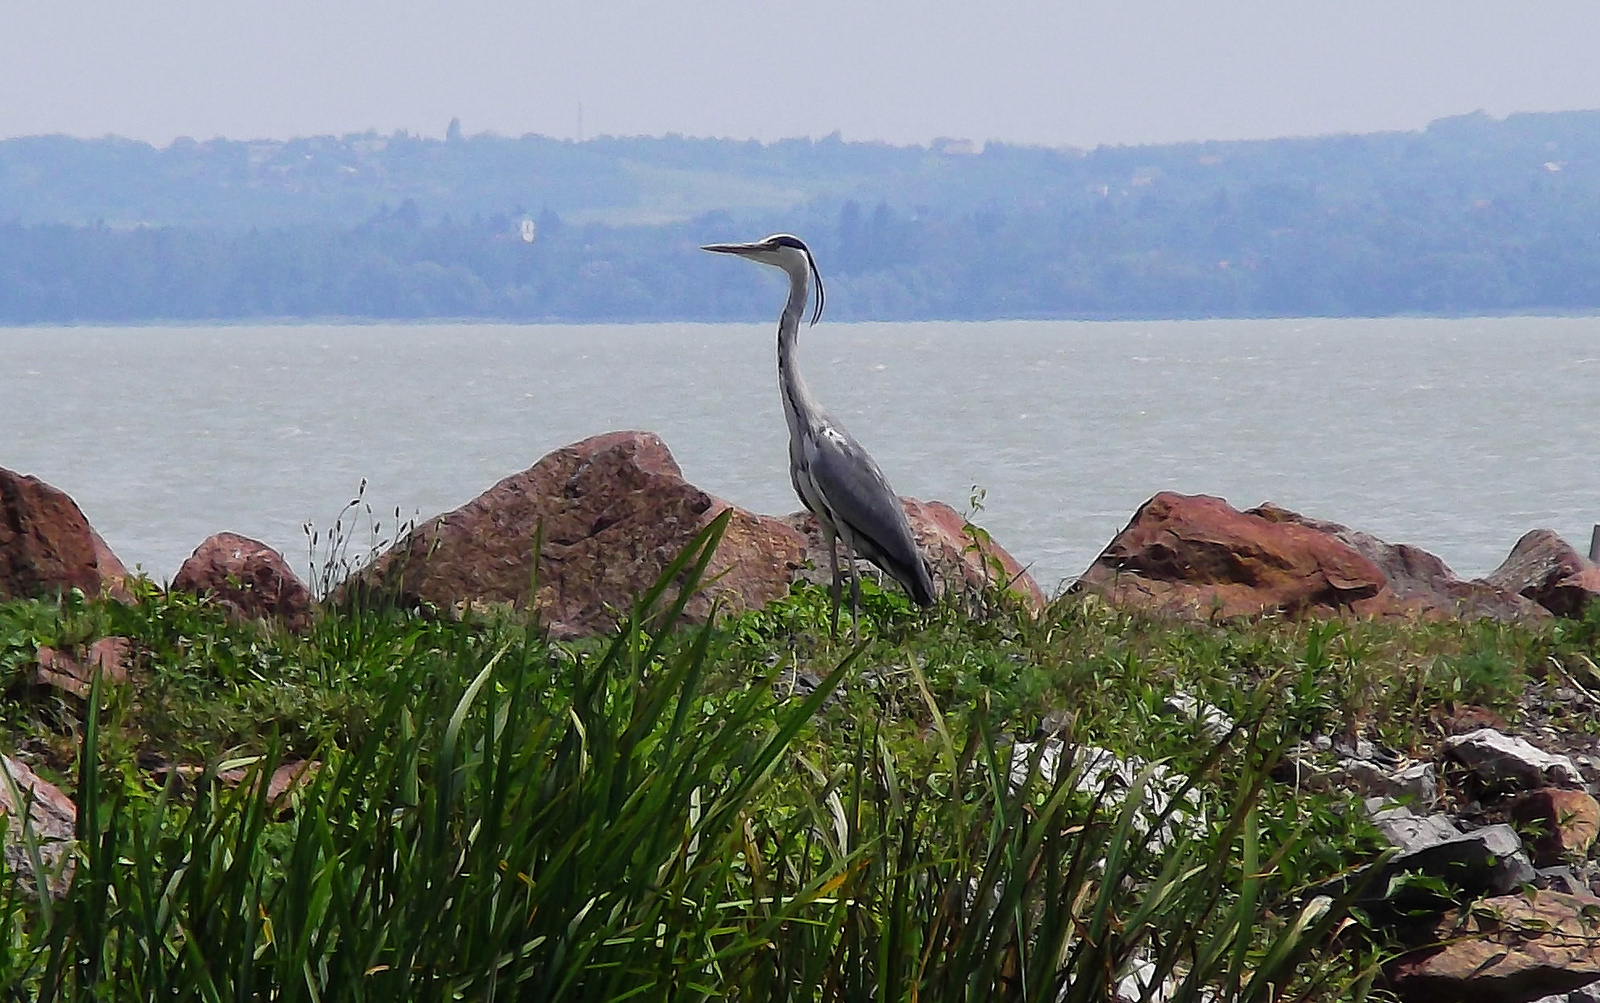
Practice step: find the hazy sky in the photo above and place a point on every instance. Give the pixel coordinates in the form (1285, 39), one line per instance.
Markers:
(1039, 71)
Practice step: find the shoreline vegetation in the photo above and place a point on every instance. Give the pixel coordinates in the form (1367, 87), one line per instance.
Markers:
(747, 808)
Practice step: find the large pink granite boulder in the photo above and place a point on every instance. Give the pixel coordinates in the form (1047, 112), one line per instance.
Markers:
(1198, 555)
(615, 511)
(250, 579)
(47, 546)
(1542, 567)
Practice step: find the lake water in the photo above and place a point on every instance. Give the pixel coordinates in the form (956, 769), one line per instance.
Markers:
(1454, 435)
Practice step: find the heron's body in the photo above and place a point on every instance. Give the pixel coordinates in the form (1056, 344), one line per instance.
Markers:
(837, 480)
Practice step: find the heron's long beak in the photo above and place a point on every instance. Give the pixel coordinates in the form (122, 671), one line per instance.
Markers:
(743, 249)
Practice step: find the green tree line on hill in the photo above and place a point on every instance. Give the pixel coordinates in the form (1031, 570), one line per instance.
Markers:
(1470, 215)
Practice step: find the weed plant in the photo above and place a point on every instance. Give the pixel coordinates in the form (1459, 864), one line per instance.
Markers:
(748, 809)
(329, 559)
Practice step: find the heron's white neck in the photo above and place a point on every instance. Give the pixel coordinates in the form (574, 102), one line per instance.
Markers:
(799, 407)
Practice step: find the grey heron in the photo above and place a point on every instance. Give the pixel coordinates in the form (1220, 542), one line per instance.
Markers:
(836, 479)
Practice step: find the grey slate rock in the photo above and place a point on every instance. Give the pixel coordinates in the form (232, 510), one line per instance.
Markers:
(1409, 831)
(1487, 861)
(1503, 761)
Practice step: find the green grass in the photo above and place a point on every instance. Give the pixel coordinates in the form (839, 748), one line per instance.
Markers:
(655, 815)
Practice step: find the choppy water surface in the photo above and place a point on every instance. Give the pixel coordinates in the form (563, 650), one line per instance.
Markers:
(1455, 435)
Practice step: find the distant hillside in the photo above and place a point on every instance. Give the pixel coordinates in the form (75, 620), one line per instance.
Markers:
(1470, 215)
(345, 180)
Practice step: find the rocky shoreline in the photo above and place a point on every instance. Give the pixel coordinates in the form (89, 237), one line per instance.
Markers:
(1497, 812)
(614, 508)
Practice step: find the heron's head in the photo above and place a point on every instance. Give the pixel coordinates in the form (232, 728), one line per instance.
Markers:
(781, 250)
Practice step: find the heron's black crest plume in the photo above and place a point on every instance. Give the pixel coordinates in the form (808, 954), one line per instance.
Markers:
(816, 314)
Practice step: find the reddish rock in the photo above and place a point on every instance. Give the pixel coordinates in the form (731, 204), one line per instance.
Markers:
(1459, 719)
(1559, 825)
(113, 576)
(287, 778)
(58, 670)
(960, 556)
(1197, 555)
(1543, 568)
(249, 578)
(1509, 949)
(1416, 580)
(47, 546)
(51, 817)
(958, 551)
(111, 655)
(615, 510)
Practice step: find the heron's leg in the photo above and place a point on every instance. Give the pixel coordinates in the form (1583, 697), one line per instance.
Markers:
(855, 591)
(833, 565)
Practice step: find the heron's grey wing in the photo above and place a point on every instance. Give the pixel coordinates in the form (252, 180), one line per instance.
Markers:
(863, 505)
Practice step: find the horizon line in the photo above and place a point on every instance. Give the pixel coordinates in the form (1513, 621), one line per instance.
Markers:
(943, 144)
